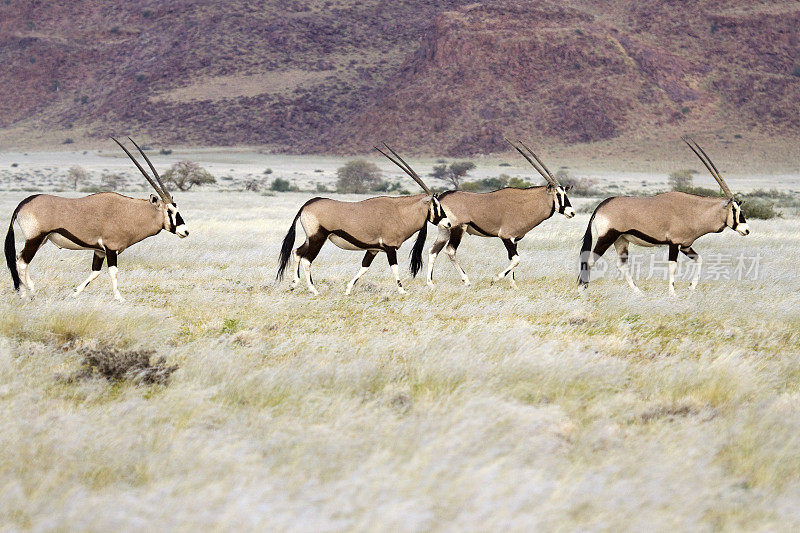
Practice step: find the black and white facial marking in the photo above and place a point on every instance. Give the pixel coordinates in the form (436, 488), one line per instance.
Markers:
(436, 214)
(736, 219)
(562, 203)
(173, 221)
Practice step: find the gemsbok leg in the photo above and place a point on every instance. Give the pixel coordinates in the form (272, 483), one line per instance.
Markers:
(24, 260)
(365, 263)
(441, 240)
(391, 255)
(307, 252)
(621, 246)
(689, 252)
(513, 256)
(452, 247)
(673, 266)
(97, 264)
(111, 258)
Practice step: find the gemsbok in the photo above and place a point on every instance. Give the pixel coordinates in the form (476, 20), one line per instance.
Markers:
(508, 214)
(675, 219)
(379, 224)
(106, 223)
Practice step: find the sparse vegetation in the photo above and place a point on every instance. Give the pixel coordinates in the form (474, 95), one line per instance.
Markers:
(359, 176)
(453, 174)
(579, 186)
(165, 151)
(186, 174)
(115, 364)
(111, 182)
(280, 185)
(681, 180)
(76, 176)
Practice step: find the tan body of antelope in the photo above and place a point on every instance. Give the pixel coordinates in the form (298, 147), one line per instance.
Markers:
(508, 214)
(106, 223)
(380, 224)
(673, 219)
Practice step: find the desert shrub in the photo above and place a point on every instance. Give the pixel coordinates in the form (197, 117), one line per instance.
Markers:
(505, 164)
(358, 176)
(759, 209)
(186, 174)
(165, 151)
(321, 187)
(75, 176)
(580, 186)
(471, 186)
(700, 191)
(280, 185)
(14, 165)
(454, 174)
(114, 364)
(68, 140)
(111, 182)
(268, 171)
(252, 185)
(796, 71)
(518, 183)
(680, 180)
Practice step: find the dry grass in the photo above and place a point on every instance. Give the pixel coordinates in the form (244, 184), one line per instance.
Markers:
(480, 408)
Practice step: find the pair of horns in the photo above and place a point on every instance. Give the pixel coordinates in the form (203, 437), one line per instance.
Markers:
(544, 171)
(405, 166)
(709, 165)
(160, 189)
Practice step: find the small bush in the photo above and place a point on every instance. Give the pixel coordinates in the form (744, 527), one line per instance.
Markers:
(280, 185)
(75, 176)
(505, 164)
(454, 173)
(186, 174)
(518, 183)
(321, 187)
(165, 151)
(700, 191)
(268, 171)
(796, 71)
(358, 176)
(68, 140)
(14, 165)
(111, 182)
(680, 179)
(118, 365)
(252, 185)
(759, 209)
(579, 186)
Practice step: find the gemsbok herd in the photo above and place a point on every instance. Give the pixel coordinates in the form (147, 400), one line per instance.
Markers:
(108, 223)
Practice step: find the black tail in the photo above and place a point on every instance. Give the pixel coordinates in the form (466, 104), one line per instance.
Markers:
(288, 241)
(286, 247)
(416, 251)
(586, 251)
(11, 252)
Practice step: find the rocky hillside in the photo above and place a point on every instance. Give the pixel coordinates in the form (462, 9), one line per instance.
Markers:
(447, 77)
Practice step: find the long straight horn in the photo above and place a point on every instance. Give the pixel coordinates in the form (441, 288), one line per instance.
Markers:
(146, 176)
(407, 169)
(533, 164)
(709, 165)
(155, 173)
(553, 179)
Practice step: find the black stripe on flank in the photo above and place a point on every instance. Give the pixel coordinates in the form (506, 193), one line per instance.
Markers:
(66, 234)
(352, 240)
(646, 238)
(479, 230)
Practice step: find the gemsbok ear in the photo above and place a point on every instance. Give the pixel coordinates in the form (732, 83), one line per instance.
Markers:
(154, 199)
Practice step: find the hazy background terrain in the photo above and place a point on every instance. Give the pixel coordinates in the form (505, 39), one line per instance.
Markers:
(481, 408)
(440, 78)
